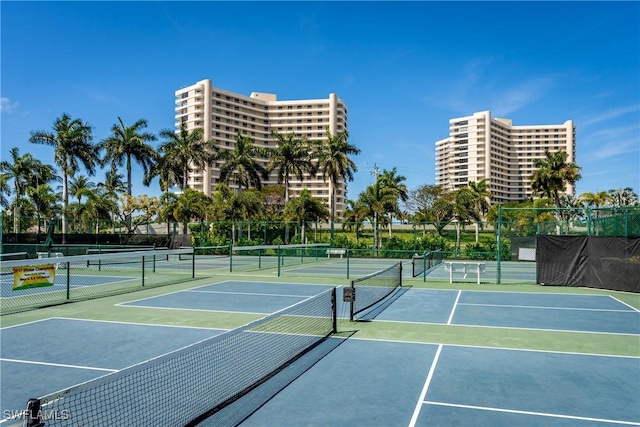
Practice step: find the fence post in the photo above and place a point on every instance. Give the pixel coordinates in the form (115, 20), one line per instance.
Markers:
(499, 244)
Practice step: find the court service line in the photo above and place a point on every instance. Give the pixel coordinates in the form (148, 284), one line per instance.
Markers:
(423, 393)
(453, 310)
(60, 365)
(540, 414)
(247, 293)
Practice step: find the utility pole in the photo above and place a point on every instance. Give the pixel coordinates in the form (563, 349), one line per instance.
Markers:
(375, 214)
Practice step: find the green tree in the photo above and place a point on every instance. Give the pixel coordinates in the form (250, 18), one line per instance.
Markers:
(291, 157)
(45, 202)
(5, 190)
(305, 209)
(72, 142)
(375, 199)
(394, 184)
(127, 144)
(552, 175)
(182, 150)
(80, 186)
(623, 197)
(190, 205)
(26, 172)
(481, 201)
(241, 165)
(336, 165)
(354, 217)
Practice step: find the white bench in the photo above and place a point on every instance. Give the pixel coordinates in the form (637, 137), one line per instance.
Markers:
(336, 251)
(45, 255)
(465, 268)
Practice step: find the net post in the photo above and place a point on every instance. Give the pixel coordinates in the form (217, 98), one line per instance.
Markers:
(424, 267)
(193, 264)
(278, 259)
(353, 301)
(259, 259)
(33, 415)
(334, 310)
(348, 252)
(142, 270)
(400, 273)
(68, 280)
(230, 257)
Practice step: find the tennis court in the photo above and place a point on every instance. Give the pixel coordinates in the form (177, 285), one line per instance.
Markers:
(442, 355)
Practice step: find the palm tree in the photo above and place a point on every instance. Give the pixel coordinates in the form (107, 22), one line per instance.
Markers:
(127, 144)
(553, 175)
(333, 159)
(376, 198)
(80, 186)
(291, 157)
(5, 190)
(354, 216)
(623, 197)
(191, 204)
(241, 164)
(26, 172)
(304, 209)
(481, 200)
(394, 184)
(183, 149)
(463, 210)
(44, 200)
(595, 200)
(72, 142)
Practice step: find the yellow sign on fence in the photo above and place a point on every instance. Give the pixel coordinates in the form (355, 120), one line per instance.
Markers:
(33, 276)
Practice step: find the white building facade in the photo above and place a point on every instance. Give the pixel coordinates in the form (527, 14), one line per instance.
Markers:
(222, 114)
(480, 147)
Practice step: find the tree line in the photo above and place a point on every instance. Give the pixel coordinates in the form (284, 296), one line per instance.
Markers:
(26, 183)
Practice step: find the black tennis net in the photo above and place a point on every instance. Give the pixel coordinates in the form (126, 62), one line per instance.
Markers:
(195, 383)
(422, 263)
(369, 290)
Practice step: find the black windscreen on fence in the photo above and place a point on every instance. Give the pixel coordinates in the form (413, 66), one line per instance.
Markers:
(590, 261)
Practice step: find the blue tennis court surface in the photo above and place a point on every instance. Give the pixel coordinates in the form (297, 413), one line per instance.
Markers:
(234, 296)
(585, 313)
(366, 382)
(43, 357)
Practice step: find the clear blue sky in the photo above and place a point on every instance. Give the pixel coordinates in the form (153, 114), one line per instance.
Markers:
(403, 69)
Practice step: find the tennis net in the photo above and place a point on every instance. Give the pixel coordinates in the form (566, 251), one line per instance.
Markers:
(251, 258)
(13, 256)
(369, 290)
(57, 279)
(195, 383)
(422, 263)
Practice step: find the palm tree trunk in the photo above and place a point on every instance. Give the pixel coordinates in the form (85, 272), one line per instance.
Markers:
(65, 204)
(390, 224)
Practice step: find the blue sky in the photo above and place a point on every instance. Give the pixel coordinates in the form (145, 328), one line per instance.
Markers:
(403, 69)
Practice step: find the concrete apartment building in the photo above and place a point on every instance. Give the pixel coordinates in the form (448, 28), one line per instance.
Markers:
(480, 147)
(222, 114)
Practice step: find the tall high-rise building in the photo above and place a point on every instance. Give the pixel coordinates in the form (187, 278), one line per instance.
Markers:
(480, 147)
(222, 114)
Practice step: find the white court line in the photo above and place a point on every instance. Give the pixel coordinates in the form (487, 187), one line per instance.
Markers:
(623, 303)
(247, 293)
(540, 414)
(118, 322)
(543, 307)
(26, 323)
(423, 393)
(453, 309)
(191, 309)
(61, 365)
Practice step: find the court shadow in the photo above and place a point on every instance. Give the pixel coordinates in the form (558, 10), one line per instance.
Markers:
(369, 315)
(238, 411)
